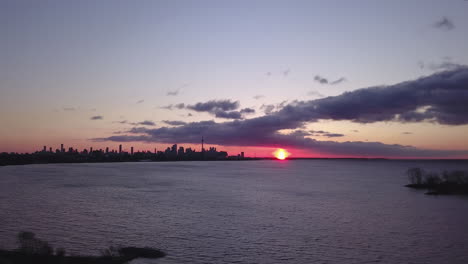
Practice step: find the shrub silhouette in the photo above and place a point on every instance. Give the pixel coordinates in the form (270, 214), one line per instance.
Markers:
(110, 252)
(60, 252)
(445, 183)
(32, 250)
(29, 244)
(415, 175)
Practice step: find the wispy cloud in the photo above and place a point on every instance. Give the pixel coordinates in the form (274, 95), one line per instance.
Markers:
(444, 24)
(140, 101)
(445, 64)
(173, 93)
(143, 123)
(315, 94)
(338, 81)
(69, 109)
(146, 123)
(258, 96)
(323, 80)
(322, 133)
(121, 122)
(175, 122)
(98, 117)
(247, 111)
(173, 106)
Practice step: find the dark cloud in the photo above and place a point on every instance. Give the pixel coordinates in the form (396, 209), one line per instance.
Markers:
(173, 93)
(213, 105)
(259, 96)
(146, 123)
(175, 123)
(323, 80)
(247, 111)
(286, 72)
(269, 108)
(322, 133)
(444, 24)
(97, 117)
(140, 101)
(355, 130)
(320, 79)
(407, 133)
(441, 97)
(220, 108)
(227, 115)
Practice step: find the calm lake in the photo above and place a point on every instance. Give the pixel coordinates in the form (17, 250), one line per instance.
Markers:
(293, 211)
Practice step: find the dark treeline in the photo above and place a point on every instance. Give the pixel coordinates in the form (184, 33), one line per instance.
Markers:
(32, 250)
(446, 182)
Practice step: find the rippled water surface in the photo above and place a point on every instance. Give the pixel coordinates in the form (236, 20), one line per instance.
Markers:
(303, 211)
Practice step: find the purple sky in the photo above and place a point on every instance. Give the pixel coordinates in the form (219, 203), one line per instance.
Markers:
(323, 78)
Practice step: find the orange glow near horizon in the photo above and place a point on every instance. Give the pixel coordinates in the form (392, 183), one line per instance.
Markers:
(281, 154)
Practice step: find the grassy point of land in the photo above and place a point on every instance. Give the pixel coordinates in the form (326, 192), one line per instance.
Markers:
(36, 251)
(447, 182)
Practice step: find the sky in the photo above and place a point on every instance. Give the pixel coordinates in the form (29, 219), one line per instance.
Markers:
(319, 78)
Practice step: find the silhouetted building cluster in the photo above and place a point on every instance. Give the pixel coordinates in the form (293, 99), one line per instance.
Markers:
(73, 155)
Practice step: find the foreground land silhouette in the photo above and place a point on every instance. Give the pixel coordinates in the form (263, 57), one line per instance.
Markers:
(447, 182)
(33, 250)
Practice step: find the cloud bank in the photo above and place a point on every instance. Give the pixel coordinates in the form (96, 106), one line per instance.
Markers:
(440, 98)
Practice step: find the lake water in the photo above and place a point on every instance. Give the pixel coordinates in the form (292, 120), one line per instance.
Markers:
(296, 211)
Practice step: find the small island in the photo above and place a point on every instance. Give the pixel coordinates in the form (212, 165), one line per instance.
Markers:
(33, 250)
(447, 182)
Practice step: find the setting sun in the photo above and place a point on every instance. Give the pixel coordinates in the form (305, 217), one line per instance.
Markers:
(281, 154)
